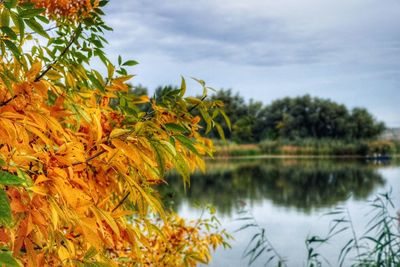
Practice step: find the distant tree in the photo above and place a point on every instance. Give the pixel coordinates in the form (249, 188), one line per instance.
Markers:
(138, 90)
(305, 117)
(79, 174)
(363, 124)
(294, 118)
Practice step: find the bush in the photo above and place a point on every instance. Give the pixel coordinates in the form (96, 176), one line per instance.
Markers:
(382, 147)
(269, 146)
(328, 147)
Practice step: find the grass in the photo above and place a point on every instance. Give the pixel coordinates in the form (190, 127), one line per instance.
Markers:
(235, 150)
(310, 147)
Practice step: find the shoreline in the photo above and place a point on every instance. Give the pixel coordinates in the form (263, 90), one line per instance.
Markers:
(280, 156)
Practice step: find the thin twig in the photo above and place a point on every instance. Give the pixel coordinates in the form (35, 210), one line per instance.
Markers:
(195, 106)
(90, 158)
(8, 101)
(121, 202)
(46, 30)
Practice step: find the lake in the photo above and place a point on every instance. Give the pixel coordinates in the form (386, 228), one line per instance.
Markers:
(289, 198)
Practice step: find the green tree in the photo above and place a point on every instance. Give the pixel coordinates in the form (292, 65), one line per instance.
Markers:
(312, 117)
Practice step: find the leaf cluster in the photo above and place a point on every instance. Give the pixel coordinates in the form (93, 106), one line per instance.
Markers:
(80, 162)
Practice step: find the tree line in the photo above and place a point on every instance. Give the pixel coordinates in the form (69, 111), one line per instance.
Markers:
(289, 118)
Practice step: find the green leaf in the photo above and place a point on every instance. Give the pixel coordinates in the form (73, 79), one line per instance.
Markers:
(130, 63)
(6, 259)
(7, 178)
(183, 169)
(159, 157)
(201, 82)
(10, 3)
(96, 82)
(5, 18)
(9, 32)
(183, 87)
(13, 48)
(110, 70)
(95, 264)
(5, 210)
(220, 131)
(30, 13)
(36, 27)
(187, 143)
(43, 19)
(226, 118)
(193, 100)
(175, 127)
(7, 82)
(103, 3)
(90, 253)
(19, 23)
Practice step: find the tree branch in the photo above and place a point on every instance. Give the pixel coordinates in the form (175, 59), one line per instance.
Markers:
(46, 30)
(121, 202)
(50, 66)
(90, 158)
(8, 101)
(195, 106)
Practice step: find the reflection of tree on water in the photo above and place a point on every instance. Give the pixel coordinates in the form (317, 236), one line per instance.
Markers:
(303, 185)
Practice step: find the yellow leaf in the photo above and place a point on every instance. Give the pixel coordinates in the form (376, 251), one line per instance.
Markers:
(128, 151)
(39, 134)
(141, 99)
(53, 75)
(89, 227)
(118, 132)
(107, 217)
(122, 213)
(40, 179)
(70, 80)
(38, 190)
(54, 215)
(63, 253)
(99, 130)
(34, 71)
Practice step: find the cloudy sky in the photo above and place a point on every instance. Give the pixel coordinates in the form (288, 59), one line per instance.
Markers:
(345, 50)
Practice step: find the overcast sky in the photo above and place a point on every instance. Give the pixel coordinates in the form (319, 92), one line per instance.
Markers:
(345, 50)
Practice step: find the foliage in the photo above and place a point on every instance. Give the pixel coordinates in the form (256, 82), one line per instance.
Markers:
(80, 159)
(66, 8)
(295, 118)
(303, 117)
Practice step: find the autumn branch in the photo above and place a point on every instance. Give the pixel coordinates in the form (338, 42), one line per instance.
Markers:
(195, 106)
(121, 202)
(75, 35)
(8, 101)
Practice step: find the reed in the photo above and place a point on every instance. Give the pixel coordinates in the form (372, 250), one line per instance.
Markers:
(378, 245)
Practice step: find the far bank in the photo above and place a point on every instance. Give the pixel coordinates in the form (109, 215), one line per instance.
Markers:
(373, 149)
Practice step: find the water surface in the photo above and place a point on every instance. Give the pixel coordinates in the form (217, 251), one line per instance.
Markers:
(287, 197)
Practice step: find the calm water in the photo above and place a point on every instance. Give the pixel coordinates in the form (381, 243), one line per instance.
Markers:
(287, 197)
